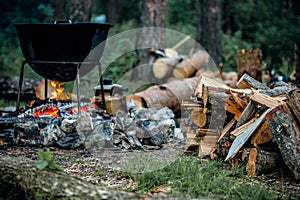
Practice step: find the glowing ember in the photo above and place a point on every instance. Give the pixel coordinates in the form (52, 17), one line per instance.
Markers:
(47, 111)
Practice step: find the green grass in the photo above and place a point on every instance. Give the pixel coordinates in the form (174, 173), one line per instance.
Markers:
(189, 177)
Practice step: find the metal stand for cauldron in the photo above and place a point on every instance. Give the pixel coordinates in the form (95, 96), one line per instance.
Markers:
(78, 64)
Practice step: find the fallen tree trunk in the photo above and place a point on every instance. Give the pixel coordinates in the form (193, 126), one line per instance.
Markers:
(190, 65)
(167, 95)
(22, 173)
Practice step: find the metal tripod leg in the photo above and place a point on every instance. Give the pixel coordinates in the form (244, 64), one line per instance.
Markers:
(102, 88)
(78, 91)
(46, 89)
(20, 85)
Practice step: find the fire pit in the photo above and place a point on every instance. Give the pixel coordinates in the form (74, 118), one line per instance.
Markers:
(61, 51)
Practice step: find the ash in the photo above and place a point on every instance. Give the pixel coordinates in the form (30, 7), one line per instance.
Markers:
(135, 129)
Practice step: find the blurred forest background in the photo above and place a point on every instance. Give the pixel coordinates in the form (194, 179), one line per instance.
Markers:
(221, 26)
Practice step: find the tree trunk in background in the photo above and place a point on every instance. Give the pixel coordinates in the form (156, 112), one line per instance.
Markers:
(152, 14)
(228, 16)
(297, 63)
(59, 9)
(296, 9)
(113, 9)
(209, 34)
(79, 10)
(76, 10)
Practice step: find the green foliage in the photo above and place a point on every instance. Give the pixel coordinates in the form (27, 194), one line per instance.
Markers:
(230, 46)
(270, 27)
(46, 161)
(183, 16)
(17, 12)
(192, 178)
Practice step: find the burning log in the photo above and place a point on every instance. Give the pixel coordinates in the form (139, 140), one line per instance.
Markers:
(22, 173)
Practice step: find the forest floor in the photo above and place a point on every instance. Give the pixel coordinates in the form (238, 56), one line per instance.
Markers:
(225, 184)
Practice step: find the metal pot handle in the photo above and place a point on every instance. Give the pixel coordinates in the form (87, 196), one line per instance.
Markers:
(63, 21)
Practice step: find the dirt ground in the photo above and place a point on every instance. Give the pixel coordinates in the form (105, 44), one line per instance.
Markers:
(82, 163)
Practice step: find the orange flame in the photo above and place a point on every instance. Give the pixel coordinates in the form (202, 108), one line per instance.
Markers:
(55, 89)
(58, 91)
(47, 111)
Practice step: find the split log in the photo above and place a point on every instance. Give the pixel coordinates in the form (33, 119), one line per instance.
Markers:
(241, 129)
(190, 65)
(191, 143)
(208, 85)
(265, 101)
(243, 138)
(247, 81)
(208, 142)
(279, 88)
(293, 101)
(227, 129)
(163, 67)
(286, 134)
(22, 173)
(250, 62)
(246, 114)
(167, 95)
(262, 135)
(232, 107)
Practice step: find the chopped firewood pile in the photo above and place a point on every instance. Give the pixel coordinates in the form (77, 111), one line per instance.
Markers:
(244, 123)
(261, 124)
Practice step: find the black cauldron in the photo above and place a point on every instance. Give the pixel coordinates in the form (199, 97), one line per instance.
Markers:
(56, 51)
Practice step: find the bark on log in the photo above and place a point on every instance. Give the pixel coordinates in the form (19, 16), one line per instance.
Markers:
(281, 88)
(265, 100)
(249, 61)
(286, 134)
(190, 65)
(167, 95)
(208, 142)
(22, 173)
(261, 161)
(247, 81)
(294, 102)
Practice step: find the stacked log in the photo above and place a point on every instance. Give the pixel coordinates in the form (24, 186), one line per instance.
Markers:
(260, 129)
(180, 67)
